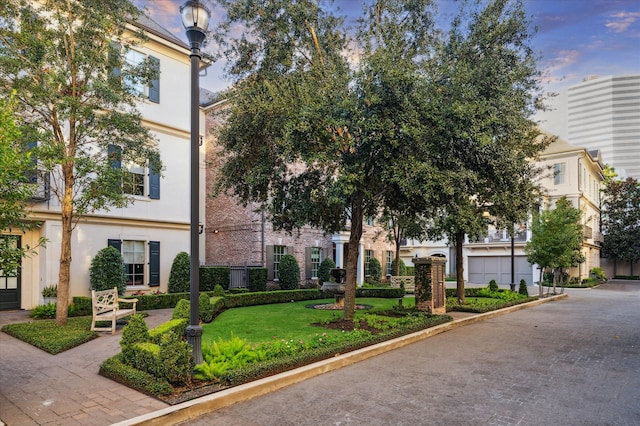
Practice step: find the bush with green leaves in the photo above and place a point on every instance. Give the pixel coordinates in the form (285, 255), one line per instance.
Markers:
(107, 271)
(403, 268)
(218, 291)
(182, 310)
(598, 273)
(205, 309)
(324, 271)
(136, 331)
(180, 277)
(375, 271)
(176, 358)
(44, 311)
(493, 285)
(289, 273)
(523, 288)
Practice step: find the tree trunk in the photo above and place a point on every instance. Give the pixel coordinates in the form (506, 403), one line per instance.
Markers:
(352, 262)
(62, 305)
(459, 267)
(540, 290)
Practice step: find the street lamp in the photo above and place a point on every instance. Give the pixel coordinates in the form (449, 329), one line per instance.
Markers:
(195, 18)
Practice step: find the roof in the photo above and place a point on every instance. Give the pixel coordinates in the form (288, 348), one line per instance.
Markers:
(146, 23)
(560, 146)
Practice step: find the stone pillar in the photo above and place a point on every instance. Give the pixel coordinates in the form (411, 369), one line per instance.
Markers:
(430, 288)
(360, 274)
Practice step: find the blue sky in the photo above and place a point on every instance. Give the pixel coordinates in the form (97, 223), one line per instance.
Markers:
(576, 38)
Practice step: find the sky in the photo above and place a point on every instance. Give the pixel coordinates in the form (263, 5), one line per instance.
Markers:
(575, 38)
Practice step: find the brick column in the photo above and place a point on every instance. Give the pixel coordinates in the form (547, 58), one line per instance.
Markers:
(430, 290)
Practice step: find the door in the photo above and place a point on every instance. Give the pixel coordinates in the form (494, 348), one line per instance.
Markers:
(483, 269)
(10, 284)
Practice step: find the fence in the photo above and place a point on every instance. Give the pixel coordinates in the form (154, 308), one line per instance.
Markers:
(239, 274)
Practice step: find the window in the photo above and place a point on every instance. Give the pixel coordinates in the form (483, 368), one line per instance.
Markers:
(368, 254)
(278, 252)
(134, 256)
(369, 221)
(133, 177)
(389, 261)
(559, 172)
(133, 58)
(315, 261)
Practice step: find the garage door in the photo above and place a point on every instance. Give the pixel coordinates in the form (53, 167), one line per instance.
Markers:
(484, 269)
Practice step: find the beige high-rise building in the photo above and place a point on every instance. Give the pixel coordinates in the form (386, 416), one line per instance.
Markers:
(603, 113)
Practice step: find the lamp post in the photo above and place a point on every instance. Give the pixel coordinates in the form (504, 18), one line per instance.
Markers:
(195, 18)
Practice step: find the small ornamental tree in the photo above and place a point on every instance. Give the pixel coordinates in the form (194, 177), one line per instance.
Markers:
(180, 275)
(107, 271)
(289, 272)
(324, 271)
(402, 268)
(375, 271)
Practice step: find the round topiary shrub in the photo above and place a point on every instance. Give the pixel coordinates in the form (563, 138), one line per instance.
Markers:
(107, 271)
(180, 275)
(289, 273)
(523, 288)
(375, 271)
(324, 271)
(493, 285)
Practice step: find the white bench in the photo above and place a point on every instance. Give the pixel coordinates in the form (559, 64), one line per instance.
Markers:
(105, 307)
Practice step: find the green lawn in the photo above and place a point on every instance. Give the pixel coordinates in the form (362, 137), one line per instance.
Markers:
(259, 324)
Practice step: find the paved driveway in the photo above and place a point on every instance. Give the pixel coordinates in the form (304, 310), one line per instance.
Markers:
(570, 362)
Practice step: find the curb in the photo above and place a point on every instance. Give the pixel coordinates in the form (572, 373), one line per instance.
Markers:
(197, 407)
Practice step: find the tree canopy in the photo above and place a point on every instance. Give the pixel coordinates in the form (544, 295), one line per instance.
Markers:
(557, 239)
(76, 97)
(324, 135)
(621, 220)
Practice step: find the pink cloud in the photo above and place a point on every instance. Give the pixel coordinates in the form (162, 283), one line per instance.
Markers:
(621, 21)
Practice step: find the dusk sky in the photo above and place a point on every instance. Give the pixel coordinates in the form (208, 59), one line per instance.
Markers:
(576, 38)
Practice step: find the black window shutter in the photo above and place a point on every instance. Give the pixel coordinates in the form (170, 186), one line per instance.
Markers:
(154, 86)
(117, 244)
(269, 262)
(154, 263)
(154, 184)
(115, 156)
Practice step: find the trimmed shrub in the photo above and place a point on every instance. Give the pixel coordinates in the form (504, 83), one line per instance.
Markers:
(175, 326)
(205, 309)
(493, 285)
(218, 291)
(135, 331)
(107, 271)
(257, 279)
(598, 273)
(176, 358)
(289, 273)
(212, 275)
(180, 275)
(324, 271)
(523, 288)
(375, 271)
(403, 268)
(182, 310)
(113, 368)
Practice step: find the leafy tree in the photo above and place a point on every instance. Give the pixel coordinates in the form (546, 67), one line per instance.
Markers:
(15, 190)
(59, 56)
(375, 271)
(556, 240)
(180, 275)
(307, 135)
(621, 220)
(289, 272)
(107, 271)
(483, 88)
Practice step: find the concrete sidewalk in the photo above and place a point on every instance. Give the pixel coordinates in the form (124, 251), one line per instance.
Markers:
(37, 388)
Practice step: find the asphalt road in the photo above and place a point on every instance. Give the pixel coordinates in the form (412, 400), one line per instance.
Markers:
(571, 362)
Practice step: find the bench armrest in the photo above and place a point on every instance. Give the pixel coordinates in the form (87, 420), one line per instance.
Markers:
(128, 300)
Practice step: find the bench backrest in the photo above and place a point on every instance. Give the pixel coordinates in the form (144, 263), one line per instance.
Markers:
(104, 300)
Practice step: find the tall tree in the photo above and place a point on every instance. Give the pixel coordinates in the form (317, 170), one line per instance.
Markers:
(621, 220)
(15, 190)
(484, 87)
(310, 136)
(76, 97)
(557, 240)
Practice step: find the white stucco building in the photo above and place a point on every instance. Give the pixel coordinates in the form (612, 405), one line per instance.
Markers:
(149, 232)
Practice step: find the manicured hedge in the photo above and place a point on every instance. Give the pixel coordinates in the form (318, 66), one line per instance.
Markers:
(270, 297)
(212, 275)
(257, 279)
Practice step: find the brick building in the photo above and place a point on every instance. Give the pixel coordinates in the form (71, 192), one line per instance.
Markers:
(240, 235)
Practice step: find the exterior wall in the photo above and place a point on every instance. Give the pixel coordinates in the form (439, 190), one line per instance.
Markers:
(165, 220)
(604, 113)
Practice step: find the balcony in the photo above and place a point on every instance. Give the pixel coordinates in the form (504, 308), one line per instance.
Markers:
(588, 232)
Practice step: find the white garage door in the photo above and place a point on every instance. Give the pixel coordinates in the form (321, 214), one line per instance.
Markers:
(484, 269)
